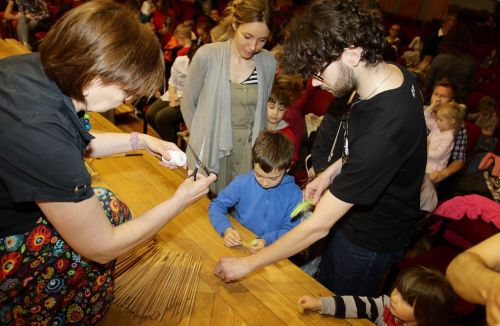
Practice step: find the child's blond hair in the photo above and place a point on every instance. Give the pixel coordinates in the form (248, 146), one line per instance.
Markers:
(183, 30)
(452, 111)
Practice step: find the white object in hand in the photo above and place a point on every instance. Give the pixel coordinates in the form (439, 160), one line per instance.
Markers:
(176, 158)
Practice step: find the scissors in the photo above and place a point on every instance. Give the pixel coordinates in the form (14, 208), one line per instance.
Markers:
(199, 163)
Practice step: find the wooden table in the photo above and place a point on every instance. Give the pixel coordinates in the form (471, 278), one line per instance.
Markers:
(9, 47)
(266, 297)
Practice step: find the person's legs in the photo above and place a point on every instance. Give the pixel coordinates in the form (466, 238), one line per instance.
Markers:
(348, 269)
(153, 111)
(167, 122)
(23, 30)
(43, 280)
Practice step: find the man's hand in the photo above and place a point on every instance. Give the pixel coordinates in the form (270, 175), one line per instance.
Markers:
(232, 237)
(232, 268)
(315, 188)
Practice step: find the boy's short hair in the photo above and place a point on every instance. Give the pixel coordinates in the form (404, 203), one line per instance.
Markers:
(272, 151)
(428, 292)
(445, 83)
(104, 40)
(286, 88)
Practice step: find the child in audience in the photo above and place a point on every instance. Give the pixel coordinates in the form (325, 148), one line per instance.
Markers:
(263, 198)
(421, 296)
(443, 121)
(486, 119)
(285, 90)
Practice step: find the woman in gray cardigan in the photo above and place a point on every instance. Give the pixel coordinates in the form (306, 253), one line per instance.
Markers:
(226, 91)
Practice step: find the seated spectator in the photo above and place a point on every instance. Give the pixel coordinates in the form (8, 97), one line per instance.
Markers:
(263, 198)
(486, 118)
(32, 16)
(490, 60)
(443, 92)
(147, 9)
(412, 55)
(164, 115)
(283, 93)
(454, 63)
(203, 28)
(443, 121)
(393, 38)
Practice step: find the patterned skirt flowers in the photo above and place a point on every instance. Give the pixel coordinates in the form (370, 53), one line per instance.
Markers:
(44, 282)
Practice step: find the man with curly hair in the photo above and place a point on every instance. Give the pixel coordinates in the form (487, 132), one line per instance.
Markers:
(374, 188)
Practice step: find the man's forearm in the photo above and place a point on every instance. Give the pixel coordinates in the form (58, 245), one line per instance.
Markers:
(328, 211)
(470, 277)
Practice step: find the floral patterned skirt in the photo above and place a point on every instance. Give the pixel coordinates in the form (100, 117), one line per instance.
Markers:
(44, 282)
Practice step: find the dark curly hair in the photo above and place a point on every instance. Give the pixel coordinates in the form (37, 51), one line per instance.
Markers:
(428, 292)
(319, 35)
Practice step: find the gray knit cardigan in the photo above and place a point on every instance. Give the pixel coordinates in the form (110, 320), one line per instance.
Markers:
(206, 101)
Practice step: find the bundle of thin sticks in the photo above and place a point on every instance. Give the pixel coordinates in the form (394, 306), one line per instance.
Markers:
(152, 283)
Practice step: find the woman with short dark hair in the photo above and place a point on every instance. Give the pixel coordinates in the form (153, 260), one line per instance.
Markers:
(59, 236)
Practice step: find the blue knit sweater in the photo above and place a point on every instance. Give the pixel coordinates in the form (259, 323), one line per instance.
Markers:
(265, 212)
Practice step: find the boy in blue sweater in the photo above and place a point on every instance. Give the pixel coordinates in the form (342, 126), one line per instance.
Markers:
(263, 198)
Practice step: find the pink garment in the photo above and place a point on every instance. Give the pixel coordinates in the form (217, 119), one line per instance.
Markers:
(472, 206)
(440, 144)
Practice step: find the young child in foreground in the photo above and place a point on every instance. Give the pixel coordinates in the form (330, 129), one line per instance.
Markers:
(263, 198)
(421, 296)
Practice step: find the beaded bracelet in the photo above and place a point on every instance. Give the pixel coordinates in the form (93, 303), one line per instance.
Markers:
(134, 141)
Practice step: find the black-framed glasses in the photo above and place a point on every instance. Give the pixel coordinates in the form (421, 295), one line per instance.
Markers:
(317, 75)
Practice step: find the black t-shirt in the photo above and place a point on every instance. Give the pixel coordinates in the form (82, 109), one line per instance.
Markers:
(384, 169)
(42, 145)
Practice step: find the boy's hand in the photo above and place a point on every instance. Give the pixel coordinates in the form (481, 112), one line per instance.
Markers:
(232, 238)
(309, 303)
(256, 245)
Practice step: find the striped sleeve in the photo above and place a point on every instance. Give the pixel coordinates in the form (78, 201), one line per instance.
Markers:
(354, 306)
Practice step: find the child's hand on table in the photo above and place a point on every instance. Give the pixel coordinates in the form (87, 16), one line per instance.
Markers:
(256, 245)
(232, 237)
(308, 303)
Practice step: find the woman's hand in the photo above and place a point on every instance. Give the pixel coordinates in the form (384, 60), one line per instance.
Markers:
(160, 148)
(190, 191)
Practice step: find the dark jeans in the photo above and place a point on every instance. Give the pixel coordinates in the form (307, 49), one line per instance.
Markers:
(348, 269)
(164, 119)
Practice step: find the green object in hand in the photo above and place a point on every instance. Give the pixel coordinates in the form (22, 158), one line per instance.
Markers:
(251, 243)
(300, 208)
(300, 308)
